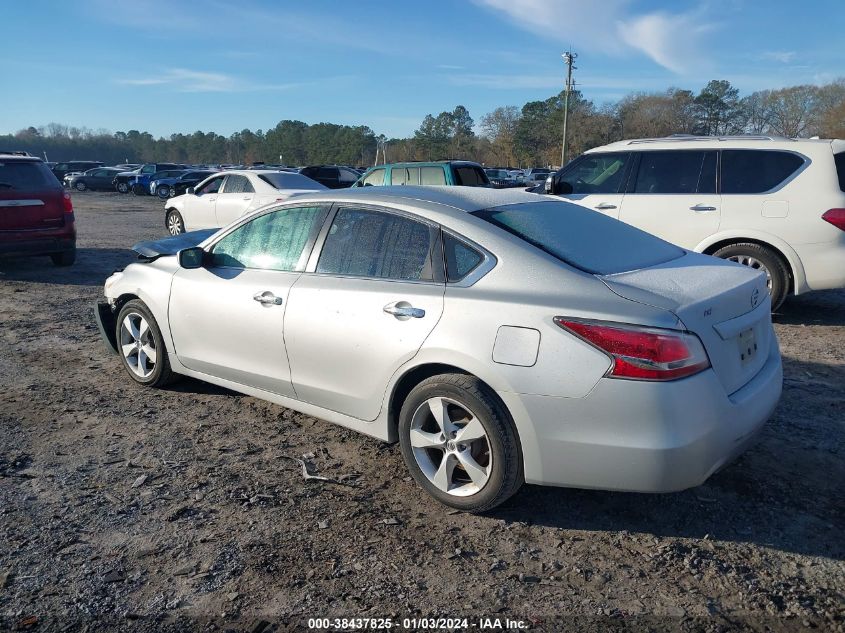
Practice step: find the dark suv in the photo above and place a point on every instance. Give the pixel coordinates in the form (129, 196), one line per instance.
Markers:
(331, 176)
(36, 214)
(62, 169)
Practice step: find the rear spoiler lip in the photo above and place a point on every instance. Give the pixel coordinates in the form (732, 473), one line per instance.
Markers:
(150, 250)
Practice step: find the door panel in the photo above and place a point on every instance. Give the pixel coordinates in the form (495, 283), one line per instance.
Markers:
(597, 181)
(231, 206)
(220, 328)
(344, 347)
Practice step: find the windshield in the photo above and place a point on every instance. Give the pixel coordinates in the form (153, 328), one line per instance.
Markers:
(590, 241)
(288, 180)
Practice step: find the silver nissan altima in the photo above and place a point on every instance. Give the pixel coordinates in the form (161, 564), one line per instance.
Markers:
(498, 336)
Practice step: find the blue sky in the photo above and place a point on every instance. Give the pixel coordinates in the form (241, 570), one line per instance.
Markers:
(168, 66)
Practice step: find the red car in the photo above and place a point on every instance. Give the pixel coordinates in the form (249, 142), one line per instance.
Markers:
(36, 214)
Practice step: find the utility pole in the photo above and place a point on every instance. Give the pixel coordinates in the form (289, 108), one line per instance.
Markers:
(568, 59)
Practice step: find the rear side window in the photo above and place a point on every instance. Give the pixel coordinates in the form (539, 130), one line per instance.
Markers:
(840, 169)
(366, 243)
(756, 171)
(676, 172)
(596, 173)
(470, 176)
(461, 259)
(398, 176)
(580, 237)
(26, 176)
(432, 176)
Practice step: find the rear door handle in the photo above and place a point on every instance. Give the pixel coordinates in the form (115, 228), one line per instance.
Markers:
(267, 298)
(404, 311)
(605, 205)
(702, 207)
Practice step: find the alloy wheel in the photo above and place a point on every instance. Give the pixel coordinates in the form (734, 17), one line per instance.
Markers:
(174, 224)
(451, 447)
(137, 345)
(753, 262)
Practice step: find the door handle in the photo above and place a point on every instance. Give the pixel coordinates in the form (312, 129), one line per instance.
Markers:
(605, 205)
(267, 298)
(247, 197)
(405, 311)
(702, 207)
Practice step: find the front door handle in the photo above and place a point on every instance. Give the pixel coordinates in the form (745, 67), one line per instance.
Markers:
(267, 298)
(403, 310)
(702, 207)
(605, 205)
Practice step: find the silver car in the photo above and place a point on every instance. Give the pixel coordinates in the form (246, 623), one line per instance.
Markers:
(500, 337)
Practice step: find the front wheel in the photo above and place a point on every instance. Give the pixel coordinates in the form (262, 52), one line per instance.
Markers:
(139, 190)
(163, 192)
(766, 261)
(122, 187)
(175, 224)
(141, 346)
(65, 258)
(459, 443)
(81, 186)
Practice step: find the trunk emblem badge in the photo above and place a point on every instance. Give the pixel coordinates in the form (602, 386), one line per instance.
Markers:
(755, 297)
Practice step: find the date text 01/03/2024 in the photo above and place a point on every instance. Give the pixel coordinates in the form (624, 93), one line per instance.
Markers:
(416, 624)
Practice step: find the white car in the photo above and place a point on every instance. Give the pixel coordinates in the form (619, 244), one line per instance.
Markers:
(226, 196)
(499, 336)
(775, 204)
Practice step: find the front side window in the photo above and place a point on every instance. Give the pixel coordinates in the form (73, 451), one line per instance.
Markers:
(273, 241)
(596, 173)
(365, 243)
(374, 179)
(398, 176)
(148, 169)
(212, 186)
(432, 176)
(236, 183)
(756, 171)
(676, 172)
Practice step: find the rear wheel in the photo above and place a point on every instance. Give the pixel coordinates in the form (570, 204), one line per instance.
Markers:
(141, 346)
(65, 258)
(138, 190)
(459, 443)
(80, 185)
(163, 192)
(175, 224)
(122, 187)
(766, 261)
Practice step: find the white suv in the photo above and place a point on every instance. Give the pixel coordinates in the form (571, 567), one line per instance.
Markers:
(776, 204)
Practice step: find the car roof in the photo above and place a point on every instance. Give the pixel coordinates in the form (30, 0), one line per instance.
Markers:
(20, 156)
(710, 142)
(461, 198)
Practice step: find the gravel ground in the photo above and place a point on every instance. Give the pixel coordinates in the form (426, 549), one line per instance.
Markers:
(142, 510)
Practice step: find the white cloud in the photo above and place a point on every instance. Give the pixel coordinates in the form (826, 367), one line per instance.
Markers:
(184, 80)
(672, 40)
(784, 57)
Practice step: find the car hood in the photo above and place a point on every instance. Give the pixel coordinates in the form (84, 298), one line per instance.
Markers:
(153, 249)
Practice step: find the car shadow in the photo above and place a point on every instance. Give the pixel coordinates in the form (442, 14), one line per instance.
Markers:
(825, 307)
(91, 268)
(784, 493)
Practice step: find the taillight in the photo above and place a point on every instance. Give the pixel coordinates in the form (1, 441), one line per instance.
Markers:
(67, 205)
(836, 217)
(642, 353)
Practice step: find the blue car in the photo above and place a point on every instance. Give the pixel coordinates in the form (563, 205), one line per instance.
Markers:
(170, 186)
(140, 183)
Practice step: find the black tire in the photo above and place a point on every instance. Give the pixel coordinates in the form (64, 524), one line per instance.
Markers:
(761, 258)
(506, 474)
(122, 187)
(163, 192)
(161, 374)
(138, 190)
(80, 185)
(174, 223)
(65, 258)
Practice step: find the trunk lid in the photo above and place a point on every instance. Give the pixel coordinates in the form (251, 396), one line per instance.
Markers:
(30, 196)
(726, 304)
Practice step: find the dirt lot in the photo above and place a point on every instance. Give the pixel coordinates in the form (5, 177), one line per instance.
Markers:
(142, 510)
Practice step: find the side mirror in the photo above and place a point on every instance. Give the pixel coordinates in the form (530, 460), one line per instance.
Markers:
(191, 257)
(190, 190)
(554, 185)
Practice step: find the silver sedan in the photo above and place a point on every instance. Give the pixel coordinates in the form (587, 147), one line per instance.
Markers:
(500, 337)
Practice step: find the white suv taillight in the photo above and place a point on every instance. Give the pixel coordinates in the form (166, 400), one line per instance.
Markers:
(642, 353)
(836, 217)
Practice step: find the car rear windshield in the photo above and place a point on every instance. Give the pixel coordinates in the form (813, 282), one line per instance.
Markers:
(840, 169)
(26, 176)
(590, 241)
(288, 180)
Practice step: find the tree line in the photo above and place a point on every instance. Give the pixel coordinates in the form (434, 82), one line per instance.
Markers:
(509, 135)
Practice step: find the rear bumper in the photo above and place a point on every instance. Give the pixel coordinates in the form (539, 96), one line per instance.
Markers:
(641, 436)
(20, 243)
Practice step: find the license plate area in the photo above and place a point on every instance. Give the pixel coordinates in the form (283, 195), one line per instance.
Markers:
(747, 342)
